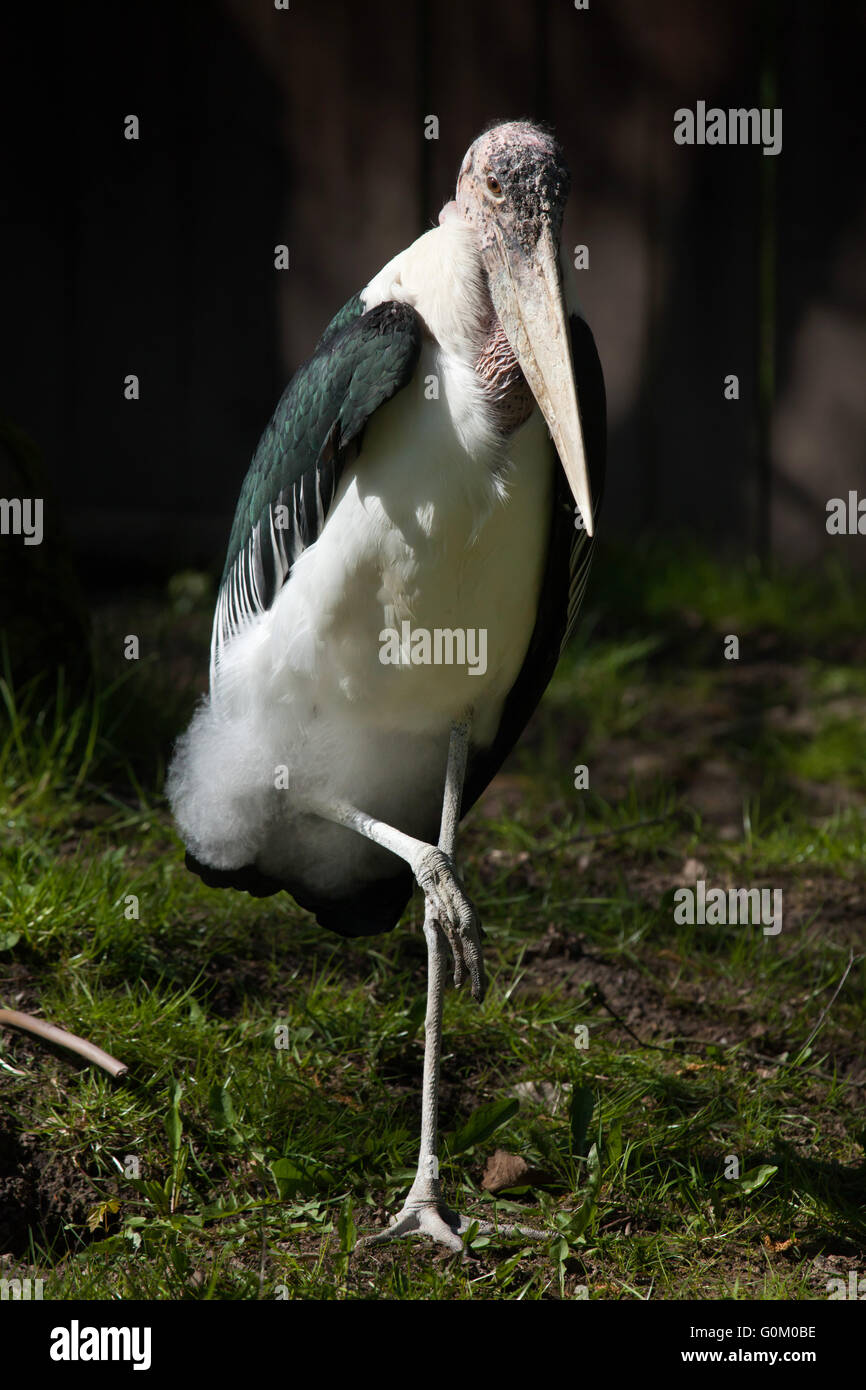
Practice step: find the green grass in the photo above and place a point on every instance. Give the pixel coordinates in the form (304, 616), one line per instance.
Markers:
(227, 1166)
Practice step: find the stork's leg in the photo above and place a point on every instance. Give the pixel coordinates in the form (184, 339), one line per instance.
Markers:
(446, 900)
(449, 917)
(424, 1211)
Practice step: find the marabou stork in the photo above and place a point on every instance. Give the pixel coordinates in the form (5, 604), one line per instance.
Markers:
(436, 467)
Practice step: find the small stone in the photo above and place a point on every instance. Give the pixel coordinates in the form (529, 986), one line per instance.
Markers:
(504, 1169)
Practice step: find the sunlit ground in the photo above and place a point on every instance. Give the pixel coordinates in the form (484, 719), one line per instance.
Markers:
(711, 1050)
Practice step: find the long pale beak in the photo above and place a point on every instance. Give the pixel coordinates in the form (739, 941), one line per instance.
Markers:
(527, 295)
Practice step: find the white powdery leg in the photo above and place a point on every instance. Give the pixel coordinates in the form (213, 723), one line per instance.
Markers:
(448, 914)
(455, 775)
(426, 1187)
(432, 866)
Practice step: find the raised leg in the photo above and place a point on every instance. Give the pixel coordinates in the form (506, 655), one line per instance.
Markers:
(433, 866)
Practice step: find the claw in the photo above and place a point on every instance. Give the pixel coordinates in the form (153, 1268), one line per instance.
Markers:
(451, 907)
(456, 951)
(445, 1227)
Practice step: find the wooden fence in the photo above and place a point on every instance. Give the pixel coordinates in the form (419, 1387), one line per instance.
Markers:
(306, 126)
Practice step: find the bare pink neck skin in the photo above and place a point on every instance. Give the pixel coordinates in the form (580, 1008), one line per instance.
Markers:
(503, 381)
(496, 365)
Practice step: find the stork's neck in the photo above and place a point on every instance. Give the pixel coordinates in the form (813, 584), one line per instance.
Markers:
(442, 276)
(502, 380)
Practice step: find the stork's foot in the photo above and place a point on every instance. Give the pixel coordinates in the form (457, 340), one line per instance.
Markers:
(449, 905)
(446, 1227)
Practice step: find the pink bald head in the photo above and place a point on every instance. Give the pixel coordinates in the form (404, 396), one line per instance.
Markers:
(513, 175)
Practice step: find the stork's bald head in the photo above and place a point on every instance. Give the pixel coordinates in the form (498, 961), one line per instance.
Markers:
(514, 178)
(512, 190)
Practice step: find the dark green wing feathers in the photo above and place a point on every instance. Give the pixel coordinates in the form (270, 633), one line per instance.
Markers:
(362, 360)
(351, 310)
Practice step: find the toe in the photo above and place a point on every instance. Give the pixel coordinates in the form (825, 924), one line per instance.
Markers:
(451, 907)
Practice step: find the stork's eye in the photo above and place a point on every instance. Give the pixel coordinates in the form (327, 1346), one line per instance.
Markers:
(494, 185)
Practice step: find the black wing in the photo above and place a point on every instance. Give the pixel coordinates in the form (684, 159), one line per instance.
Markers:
(361, 361)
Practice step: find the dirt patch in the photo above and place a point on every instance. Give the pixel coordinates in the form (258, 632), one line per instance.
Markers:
(40, 1193)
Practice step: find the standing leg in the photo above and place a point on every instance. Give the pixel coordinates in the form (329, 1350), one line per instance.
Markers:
(427, 1178)
(424, 1211)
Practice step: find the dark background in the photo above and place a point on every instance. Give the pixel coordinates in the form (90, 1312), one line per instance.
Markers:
(306, 127)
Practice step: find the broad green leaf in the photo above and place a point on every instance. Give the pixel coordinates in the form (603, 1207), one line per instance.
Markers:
(173, 1125)
(220, 1106)
(346, 1227)
(757, 1178)
(291, 1178)
(484, 1122)
(579, 1117)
